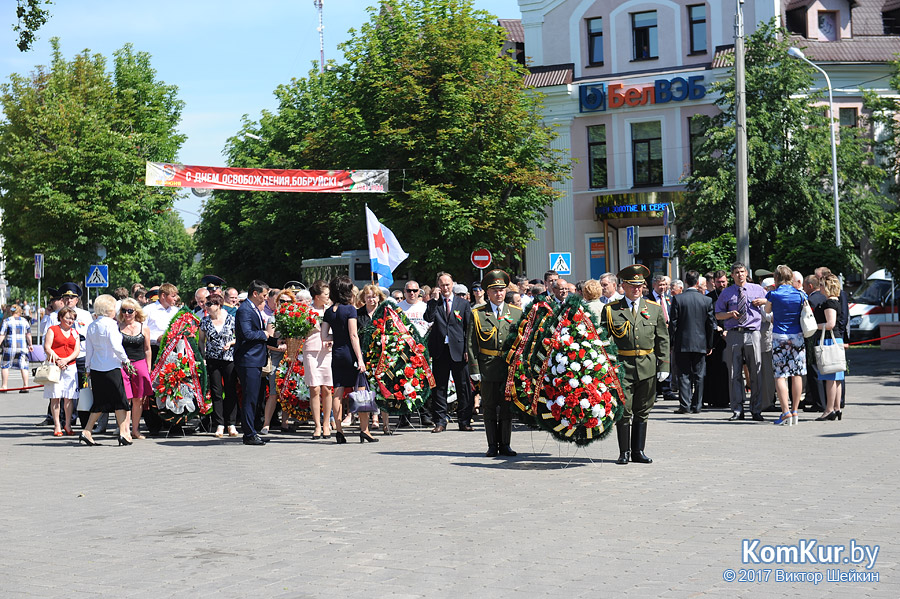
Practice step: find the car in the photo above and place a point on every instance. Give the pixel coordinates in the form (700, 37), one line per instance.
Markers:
(873, 303)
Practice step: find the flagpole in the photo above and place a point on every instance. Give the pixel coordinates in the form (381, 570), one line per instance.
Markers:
(371, 270)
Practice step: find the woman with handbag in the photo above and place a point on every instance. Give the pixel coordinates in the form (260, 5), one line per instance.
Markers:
(372, 296)
(827, 315)
(104, 361)
(136, 341)
(346, 355)
(61, 346)
(785, 302)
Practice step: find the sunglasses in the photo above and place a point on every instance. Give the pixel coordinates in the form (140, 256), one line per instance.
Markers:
(284, 301)
(128, 310)
(211, 304)
(412, 291)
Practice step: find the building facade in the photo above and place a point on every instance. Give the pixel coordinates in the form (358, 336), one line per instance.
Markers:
(622, 82)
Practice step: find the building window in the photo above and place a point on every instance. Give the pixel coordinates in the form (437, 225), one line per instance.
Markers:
(646, 152)
(643, 26)
(697, 20)
(595, 41)
(828, 26)
(849, 117)
(890, 20)
(696, 137)
(597, 156)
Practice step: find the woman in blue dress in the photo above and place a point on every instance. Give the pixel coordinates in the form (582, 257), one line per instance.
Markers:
(347, 361)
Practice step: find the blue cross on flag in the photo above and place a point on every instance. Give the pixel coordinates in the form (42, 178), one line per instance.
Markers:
(385, 252)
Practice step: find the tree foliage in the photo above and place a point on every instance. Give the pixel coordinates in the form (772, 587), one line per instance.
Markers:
(75, 140)
(30, 16)
(789, 147)
(707, 256)
(425, 93)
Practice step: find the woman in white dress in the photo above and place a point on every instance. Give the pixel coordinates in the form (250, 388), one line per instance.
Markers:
(317, 364)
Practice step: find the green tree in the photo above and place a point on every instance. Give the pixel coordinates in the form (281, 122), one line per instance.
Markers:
(424, 92)
(75, 140)
(31, 16)
(789, 147)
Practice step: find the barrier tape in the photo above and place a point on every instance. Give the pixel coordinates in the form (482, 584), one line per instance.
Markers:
(873, 340)
(20, 388)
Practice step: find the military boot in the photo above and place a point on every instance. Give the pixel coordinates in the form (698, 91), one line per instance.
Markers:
(505, 430)
(492, 433)
(637, 444)
(623, 434)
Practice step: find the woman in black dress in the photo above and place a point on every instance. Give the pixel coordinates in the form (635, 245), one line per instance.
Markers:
(346, 356)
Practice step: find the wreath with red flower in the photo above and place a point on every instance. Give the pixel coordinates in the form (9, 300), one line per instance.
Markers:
(293, 392)
(396, 361)
(525, 355)
(178, 377)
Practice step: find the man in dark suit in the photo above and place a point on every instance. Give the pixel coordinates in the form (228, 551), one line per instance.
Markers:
(450, 316)
(715, 387)
(692, 325)
(250, 355)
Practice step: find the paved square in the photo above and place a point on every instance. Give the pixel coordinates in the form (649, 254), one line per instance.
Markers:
(423, 515)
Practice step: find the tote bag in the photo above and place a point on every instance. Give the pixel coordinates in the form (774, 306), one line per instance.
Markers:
(363, 400)
(830, 358)
(47, 373)
(808, 320)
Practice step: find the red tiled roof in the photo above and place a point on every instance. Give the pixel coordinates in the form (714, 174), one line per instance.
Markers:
(546, 76)
(724, 57)
(514, 30)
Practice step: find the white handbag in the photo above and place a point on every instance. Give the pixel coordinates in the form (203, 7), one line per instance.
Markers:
(808, 320)
(47, 373)
(85, 399)
(830, 358)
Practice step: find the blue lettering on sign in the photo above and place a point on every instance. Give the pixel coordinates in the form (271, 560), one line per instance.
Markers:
(631, 208)
(593, 97)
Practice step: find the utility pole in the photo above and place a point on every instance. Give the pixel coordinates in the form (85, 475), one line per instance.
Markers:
(741, 203)
(318, 5)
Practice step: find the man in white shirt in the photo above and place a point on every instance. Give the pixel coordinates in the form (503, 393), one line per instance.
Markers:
(414, 307)
(160, 313)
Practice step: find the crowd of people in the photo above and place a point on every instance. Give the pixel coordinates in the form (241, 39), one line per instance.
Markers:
(696, 340)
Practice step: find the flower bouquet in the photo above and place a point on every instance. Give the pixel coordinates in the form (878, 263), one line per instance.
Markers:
(293, 392)
(580, 397)
(294, 320)
(178, 378)
(396, 361)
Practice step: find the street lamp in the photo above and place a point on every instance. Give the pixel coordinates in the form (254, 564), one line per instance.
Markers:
(797, 53)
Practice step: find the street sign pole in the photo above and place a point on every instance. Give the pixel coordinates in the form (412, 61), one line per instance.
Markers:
(38, 274)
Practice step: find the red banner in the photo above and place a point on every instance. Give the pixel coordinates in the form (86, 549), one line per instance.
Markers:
(160, 174)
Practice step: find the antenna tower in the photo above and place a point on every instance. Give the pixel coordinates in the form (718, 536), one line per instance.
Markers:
(318, 5)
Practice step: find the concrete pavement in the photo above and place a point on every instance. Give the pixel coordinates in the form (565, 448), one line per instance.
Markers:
(424, 515)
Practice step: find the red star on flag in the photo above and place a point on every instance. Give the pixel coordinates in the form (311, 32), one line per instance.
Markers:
(380, 242)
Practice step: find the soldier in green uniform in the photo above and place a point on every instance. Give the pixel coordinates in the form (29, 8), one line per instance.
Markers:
(488, 329)
(638, 328)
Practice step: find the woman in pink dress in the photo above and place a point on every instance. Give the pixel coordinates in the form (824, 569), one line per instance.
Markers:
(317, 364)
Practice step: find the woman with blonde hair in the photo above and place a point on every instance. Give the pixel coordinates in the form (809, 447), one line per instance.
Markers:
(372, 296)
(592, 291)
(136, 341)
(827, 315)
(15, 337)
(104, 361)
(785, 302)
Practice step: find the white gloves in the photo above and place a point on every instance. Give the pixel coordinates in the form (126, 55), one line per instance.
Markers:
(662, 375)
(476, 377)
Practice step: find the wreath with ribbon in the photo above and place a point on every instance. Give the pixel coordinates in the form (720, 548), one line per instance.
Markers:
(525, 355)
(178, 377)
(293, 392)
(396, 360)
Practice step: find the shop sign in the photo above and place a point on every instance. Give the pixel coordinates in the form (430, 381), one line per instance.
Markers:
(596, 97)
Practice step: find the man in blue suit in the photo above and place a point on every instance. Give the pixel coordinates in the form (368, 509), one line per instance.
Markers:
(250, 355)
(447, 343)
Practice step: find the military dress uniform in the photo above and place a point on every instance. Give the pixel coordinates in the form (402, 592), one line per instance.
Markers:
(642, 341)
(487, 332)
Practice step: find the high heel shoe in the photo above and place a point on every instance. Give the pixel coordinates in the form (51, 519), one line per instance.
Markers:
(785, 418)
(827, 416)
(840, 414)
(794, 418)
(363, 437)
(339, 437)
(57, 433)
(124, 441)
(832, 416)
(86, 441)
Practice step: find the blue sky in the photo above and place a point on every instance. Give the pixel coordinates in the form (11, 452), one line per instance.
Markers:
(225, 56)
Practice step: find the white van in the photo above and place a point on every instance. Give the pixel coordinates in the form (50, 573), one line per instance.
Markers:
(873, 303)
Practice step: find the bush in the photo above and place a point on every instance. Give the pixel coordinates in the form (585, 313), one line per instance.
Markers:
(886, 239)
(805, 255)
(706, 256)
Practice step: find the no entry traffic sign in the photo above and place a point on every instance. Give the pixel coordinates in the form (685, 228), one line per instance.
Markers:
(481, 259)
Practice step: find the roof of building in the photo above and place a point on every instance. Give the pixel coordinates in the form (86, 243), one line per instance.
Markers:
(546, 76)
(514, 30)
(882, 48)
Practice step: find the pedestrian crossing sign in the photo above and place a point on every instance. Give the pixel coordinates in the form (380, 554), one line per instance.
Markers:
(98, 276)
(561, 262)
